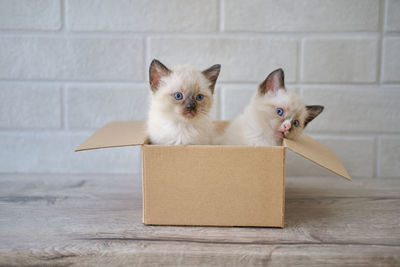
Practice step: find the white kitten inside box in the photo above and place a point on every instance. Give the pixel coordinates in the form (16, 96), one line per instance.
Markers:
(181, 101)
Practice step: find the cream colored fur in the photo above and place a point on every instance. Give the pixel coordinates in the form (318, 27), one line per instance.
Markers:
(167, 124)
(259, 123)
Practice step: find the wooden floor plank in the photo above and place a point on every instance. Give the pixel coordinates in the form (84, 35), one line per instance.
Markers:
(156, 253)
(90, 218)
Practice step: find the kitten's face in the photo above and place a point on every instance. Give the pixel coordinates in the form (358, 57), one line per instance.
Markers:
(183, 93)
(286, 113)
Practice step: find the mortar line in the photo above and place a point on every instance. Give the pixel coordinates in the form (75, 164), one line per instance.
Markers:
(148, 53)
(321, 86)
(378, 156)
(62, 107)
(62, 15)
(343, 85)
(46, 81)
(300, 59)
(376, 151)
(146, 56)
(65, 106)
(382, 21)
(224, 34)
(221, 16)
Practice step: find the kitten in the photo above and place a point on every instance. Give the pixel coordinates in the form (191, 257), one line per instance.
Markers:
(181, 100)
(272, 114)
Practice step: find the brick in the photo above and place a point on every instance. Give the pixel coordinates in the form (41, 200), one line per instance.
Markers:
(242, 59)
(346, 60)
(357, 155)
(389, 157)
(54, 153)
(142, 15)
(355, 109)
(71, 58)
(392, 15)
(93, 107)
(30, 106)
(391, 60)
(30, 14)
(234, 100)
(302, 15)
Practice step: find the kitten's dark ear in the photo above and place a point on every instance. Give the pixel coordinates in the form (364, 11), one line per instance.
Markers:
(156, 71)
(313, 111)
(274, 81)
(212, 74)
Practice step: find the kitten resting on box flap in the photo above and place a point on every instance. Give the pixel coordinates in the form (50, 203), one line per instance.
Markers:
(272, 114)
(181, 100)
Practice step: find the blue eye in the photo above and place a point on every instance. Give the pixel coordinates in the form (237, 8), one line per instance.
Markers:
(279, 111)
(199, 97)
(296, 123)
(178, 96)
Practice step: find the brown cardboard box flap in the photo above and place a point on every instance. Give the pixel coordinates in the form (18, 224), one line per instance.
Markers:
(316, 152)
(115, 134)
(125, 133)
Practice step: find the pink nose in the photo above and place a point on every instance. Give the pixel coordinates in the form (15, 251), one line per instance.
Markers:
(286, 126)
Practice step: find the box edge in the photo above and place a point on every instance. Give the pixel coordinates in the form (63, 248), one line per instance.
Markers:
(144, 218)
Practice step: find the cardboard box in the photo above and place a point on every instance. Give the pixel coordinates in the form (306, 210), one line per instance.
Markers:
(212, 184)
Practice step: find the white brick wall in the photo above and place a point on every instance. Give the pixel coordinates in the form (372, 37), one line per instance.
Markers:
(70, 58)
(142, 16)
(302, 15)
(340, 60)
(69, 66)
(93, 106)
(238, 56)
(30, 15)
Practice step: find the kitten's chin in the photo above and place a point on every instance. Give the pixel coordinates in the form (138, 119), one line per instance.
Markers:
(189, 114)
(280, 134)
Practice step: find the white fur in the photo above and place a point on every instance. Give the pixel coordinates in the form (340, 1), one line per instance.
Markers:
(258, 124)
(166, 124)
(163, 130)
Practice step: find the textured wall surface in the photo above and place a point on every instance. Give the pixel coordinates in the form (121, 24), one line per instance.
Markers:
(67, 67)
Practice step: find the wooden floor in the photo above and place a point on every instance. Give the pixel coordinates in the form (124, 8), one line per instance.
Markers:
(81, 220)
